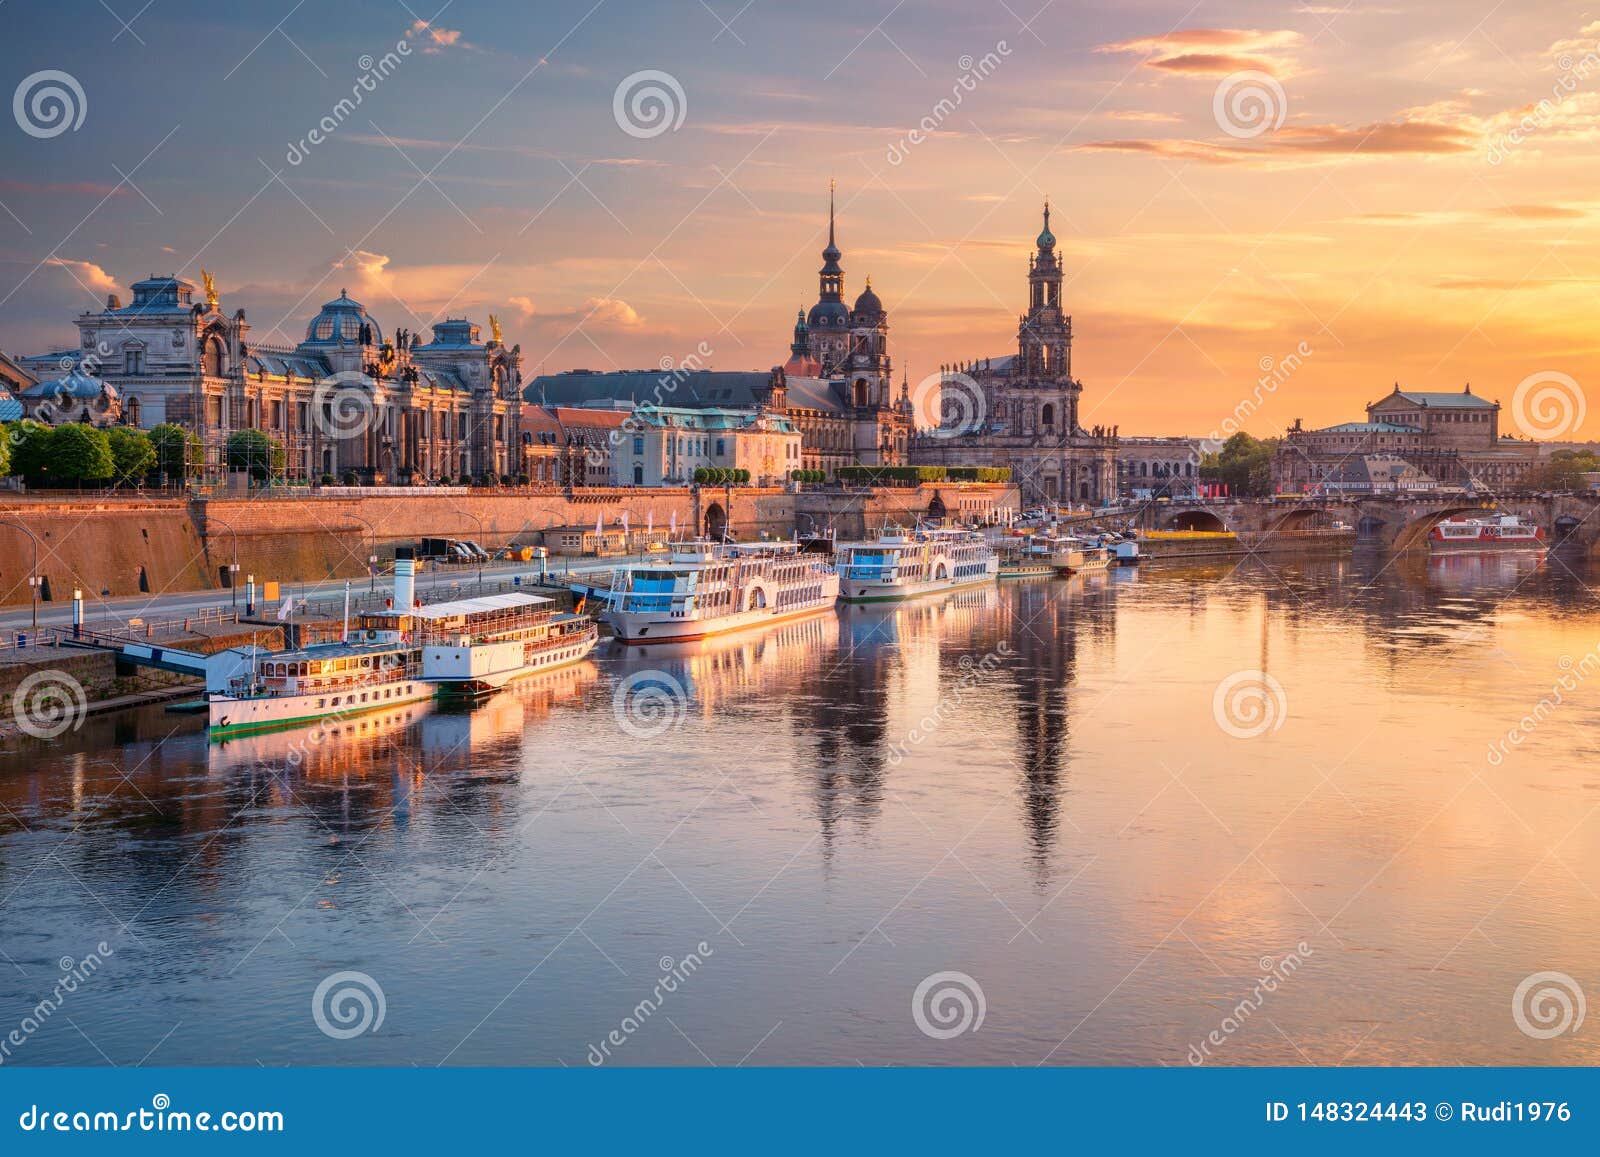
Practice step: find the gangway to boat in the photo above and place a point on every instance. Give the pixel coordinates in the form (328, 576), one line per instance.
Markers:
(139, 651)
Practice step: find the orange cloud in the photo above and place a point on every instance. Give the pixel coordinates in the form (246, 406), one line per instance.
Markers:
(1210, 51)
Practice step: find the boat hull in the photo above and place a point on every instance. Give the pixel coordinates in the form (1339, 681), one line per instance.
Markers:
(1487, 546)
(243, 715)
(636, 628)
(499, 673)
(861, 591)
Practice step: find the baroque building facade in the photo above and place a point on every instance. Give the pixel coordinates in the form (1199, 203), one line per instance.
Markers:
(345, 400)
(1021, 411)
(1449, 439)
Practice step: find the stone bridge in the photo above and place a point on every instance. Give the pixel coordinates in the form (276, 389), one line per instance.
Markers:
(1396, 521)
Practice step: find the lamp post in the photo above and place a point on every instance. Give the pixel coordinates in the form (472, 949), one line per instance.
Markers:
(33, 577)
(233, 568)
(478, 522)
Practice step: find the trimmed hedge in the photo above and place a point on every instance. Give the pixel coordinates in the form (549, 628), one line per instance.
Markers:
(890, 475)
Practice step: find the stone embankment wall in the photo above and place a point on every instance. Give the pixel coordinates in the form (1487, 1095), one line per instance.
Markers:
(131, 546)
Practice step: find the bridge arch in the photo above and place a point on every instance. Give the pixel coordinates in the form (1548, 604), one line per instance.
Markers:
(1414, 532)
(1194, 519)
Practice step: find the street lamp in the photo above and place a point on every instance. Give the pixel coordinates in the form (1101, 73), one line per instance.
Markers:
(33, 578)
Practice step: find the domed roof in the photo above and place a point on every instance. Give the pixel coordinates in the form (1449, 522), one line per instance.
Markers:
(868, 302)
(341, 320)
(1047, 239)
(76, 386)
(828, 315)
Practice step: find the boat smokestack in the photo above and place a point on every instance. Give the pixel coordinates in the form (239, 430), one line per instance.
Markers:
(405, 579)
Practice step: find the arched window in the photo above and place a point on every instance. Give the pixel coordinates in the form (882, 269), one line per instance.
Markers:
(211, 358)
(1048, 417)
(861, 392)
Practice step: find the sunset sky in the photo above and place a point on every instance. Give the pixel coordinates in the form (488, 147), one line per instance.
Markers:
(1398, 221)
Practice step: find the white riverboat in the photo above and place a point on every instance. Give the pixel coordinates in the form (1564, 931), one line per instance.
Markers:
(1470, 535)
(474, 646)
(287, 688)
(902, 565)
(709, 589)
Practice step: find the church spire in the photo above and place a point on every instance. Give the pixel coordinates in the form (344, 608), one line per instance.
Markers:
(832, 274)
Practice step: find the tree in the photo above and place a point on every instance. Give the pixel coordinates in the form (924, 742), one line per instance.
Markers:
(80, 453)
(1244, 465)
(257, 452)
(131, 452)
(1564, 470)
(179, 454)
(30, 450)
(5, 451)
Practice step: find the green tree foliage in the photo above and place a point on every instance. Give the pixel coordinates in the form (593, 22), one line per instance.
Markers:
(1564, 470)
(132, 454)
(80, 454)
(30, 450)
(1244, 465)
(259, 453)
(179, 454)
(912, 475)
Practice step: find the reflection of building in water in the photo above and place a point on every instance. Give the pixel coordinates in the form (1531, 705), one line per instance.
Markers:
(847, 717)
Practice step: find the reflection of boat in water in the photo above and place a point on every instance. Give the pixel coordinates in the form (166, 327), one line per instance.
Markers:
(724, 666)
(708, 589)
(327, 741)
(1493, 569)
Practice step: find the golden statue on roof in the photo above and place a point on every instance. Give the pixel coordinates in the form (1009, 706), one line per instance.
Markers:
(494, 329)
(211, 288)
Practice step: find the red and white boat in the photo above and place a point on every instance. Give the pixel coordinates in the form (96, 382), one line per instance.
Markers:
(1506, 532)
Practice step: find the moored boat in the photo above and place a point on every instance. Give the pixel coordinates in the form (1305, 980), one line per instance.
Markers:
(288, 688)
(710, 588)
(1505, 532)
(474, 646)
(902, 565)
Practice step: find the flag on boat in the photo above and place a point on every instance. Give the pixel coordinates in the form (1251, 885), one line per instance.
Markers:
(286, 609)
(674, 530)
(599, 532)
(624, 524)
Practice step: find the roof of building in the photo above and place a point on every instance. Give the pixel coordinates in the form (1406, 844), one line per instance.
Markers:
(75, 385)
(1465, 400)
(454, 333)
(1367, 428)
(1377, 469)
(341, 320)
(580, 417)
(10, 408)
(708, 418)
(661, 387)
(280, 363)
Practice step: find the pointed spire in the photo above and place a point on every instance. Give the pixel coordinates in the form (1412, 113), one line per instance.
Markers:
(830, 212)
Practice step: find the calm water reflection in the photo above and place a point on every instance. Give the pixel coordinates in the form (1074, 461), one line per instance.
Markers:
(1024, 784)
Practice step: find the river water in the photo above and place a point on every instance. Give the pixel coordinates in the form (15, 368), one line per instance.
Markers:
(1313, 812)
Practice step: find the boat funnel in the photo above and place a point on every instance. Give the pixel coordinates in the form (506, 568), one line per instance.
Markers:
(405, 580)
